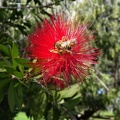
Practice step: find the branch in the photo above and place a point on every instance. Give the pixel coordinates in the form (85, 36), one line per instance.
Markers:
(86, 115)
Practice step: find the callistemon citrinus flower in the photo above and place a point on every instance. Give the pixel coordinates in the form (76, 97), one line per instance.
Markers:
(63, 51)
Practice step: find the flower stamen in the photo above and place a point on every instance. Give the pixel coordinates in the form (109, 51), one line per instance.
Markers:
(64, 45)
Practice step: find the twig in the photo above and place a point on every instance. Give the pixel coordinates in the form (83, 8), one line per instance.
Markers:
(102, 83)
(26, 7)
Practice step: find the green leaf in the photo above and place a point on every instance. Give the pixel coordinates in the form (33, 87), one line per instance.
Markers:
(2, 93)
(14, 72)
(21, 68)
(3, 88)
(2, 63)
(15, 53)
(2, 70)
(7, 62)
(10, 70)
(69, 92)
(4, 49)
(18, 74)
(23, 62)
(70, 104)
(11, 96)
(3, 83)
(19, 96)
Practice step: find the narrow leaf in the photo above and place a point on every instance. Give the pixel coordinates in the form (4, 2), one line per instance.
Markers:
(14, 72)
(4, 50)
(24, 62)
(10, 70)
(19, 96)
(15, 53)
(18, 74)
(7, 62)
(3, 88)
(11, 96)
(69, 92)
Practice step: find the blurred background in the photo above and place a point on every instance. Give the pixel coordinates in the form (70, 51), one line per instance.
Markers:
(21, 98)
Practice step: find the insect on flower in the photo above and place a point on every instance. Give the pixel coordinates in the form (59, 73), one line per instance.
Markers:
(63, 51)
(64, 45)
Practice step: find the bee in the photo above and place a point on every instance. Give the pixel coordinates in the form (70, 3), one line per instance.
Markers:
(64, 45)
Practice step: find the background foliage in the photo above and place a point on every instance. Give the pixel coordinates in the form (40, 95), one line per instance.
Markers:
(18, 88)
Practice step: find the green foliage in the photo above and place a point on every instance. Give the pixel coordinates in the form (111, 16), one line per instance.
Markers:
(21, 116)
(105, 16)
(19, 90)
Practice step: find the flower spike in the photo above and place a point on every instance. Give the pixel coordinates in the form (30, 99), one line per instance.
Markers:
(63, 51)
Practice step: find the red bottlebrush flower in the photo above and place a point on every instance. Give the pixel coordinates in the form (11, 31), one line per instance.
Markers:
(63, 51)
